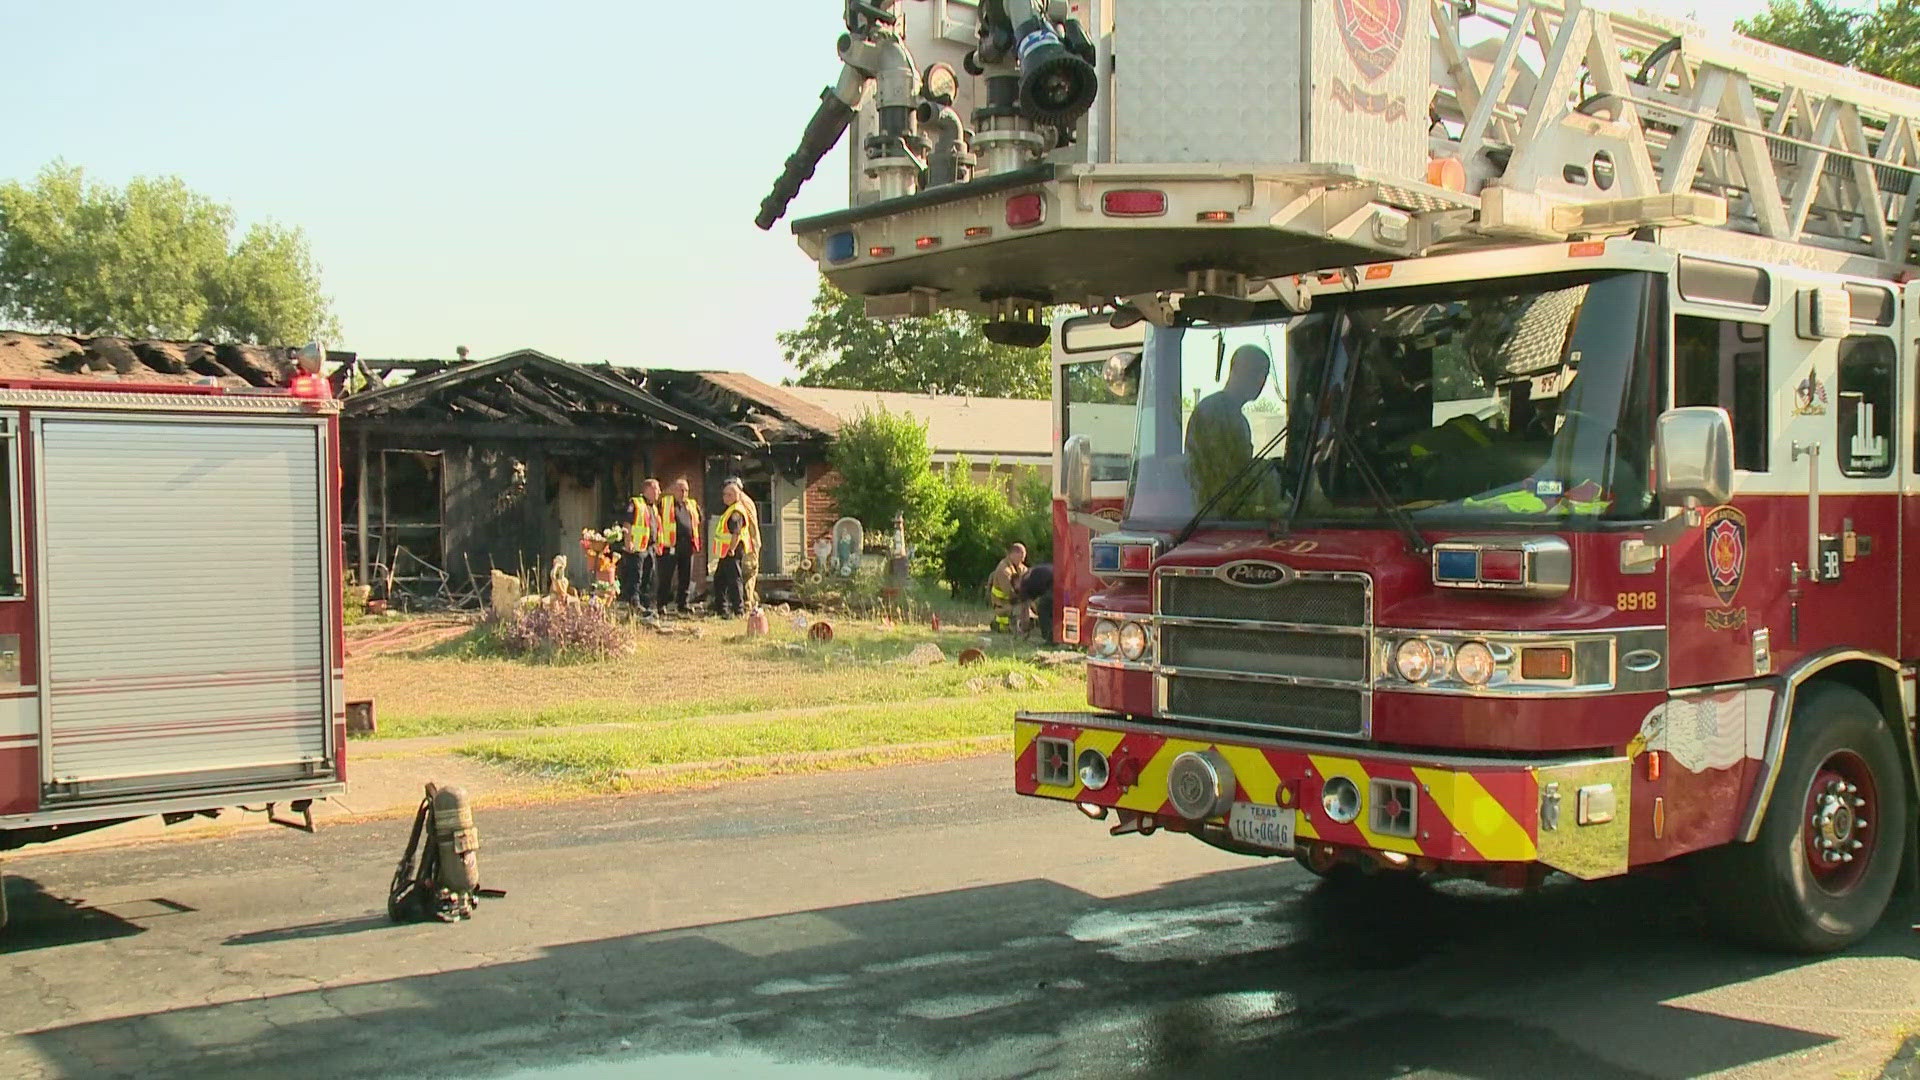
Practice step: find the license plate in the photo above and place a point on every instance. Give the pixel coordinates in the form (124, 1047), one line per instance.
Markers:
(1262, 826)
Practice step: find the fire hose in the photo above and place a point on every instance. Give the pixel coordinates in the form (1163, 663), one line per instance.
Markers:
(444, 883)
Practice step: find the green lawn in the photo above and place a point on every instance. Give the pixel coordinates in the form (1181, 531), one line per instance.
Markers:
(720, 698)
(603, 759)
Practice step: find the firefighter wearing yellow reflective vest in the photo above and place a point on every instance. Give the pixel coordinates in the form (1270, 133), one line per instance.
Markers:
(676, 544)
(1460, 433)
(732, 541)
(749, 567)
(637, 557)
(1003, 586)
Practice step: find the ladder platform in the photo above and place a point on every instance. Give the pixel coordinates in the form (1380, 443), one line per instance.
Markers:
(1074, 233)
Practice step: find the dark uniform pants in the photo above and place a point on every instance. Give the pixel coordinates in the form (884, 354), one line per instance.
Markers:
(636, 578)
(726, 587)
(676, 575)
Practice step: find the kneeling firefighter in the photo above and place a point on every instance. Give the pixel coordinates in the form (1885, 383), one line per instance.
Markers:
(445, 883)
(1003, 583)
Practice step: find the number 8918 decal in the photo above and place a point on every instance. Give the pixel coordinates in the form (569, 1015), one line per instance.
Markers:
(1637, 601)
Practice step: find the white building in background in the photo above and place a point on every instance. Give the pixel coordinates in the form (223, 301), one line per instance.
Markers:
(1007, 433)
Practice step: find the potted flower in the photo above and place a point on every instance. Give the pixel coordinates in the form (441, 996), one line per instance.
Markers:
(592, 542)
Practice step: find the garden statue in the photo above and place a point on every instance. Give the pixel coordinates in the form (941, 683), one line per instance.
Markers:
(504, 594)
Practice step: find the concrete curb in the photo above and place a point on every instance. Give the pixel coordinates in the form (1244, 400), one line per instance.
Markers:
(1906, 1063)
(396, 798)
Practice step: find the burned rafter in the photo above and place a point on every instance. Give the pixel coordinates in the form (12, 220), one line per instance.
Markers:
(471, 403)
(530, 385)
(525, 403)
(545, 395)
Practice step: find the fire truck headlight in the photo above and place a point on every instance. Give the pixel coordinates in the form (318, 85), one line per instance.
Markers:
(1340, 798)
(1413, 660)
(1106, 638)
(1474, 663)
(1133, 641)
(1093, 769)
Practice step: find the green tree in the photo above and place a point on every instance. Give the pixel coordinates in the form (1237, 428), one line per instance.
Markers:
(981, 522)
(151, 259)
(1882, 40)
(886, 468)
(840, 347)
(1032, 499)
(1815, 27)
(268, 291)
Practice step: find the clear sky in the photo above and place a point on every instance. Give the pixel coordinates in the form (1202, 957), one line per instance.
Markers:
(579, 176)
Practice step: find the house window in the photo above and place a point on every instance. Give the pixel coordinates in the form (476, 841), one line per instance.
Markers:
(1723, 362)
(761, 492)
(1865, 406)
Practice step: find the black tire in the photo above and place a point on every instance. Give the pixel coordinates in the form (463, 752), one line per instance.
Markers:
(1768, 893)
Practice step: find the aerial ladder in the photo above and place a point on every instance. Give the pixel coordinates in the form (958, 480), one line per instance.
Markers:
(1149, 158)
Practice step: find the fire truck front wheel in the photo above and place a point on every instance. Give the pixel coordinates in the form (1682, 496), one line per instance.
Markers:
(1828, 856)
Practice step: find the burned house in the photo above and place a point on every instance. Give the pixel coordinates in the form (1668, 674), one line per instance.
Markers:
(454, 468)
(61, 356)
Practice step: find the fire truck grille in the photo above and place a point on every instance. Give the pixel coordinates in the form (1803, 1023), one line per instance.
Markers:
(1324, 710)
(1335, 657)
(1315, 602)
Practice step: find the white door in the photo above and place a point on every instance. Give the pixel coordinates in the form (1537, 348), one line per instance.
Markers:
(183, 584)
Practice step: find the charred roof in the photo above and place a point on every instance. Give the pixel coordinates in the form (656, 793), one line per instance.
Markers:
(45, 356)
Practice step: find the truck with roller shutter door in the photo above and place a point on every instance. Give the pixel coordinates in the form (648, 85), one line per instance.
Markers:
(170, 624)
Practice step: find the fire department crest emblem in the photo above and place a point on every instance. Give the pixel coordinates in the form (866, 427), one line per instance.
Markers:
(1372, 30)
(1726, 545)
(1810, 396)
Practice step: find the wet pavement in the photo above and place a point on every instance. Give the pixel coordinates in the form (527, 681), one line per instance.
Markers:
(913, 922)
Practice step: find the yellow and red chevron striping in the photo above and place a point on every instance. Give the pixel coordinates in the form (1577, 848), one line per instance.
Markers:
(1477, 814)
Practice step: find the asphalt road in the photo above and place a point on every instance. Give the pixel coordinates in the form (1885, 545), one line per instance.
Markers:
(901, 923)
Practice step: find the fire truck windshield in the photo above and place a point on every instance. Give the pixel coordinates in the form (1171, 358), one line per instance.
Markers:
(1476, 402)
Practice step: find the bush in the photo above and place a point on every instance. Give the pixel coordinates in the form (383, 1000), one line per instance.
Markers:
(1032, 515)
(886, 468)
(560, 631)
(980, 521)
(353, 601)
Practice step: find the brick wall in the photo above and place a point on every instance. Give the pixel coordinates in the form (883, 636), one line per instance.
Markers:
(821, 508)
(673, 459)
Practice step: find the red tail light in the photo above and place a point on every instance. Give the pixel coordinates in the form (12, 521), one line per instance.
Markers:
(1026, 211)
(1134, 203)
(309, 385)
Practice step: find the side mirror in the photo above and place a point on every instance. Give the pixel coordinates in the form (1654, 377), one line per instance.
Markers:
(1121, 373)
(1076, 473)
(1693, 454)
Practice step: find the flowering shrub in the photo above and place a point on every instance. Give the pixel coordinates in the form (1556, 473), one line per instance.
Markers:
(559, 630)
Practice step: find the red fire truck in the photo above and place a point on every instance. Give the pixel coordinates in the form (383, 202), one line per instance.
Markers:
(1511, 408)
(170, 633)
